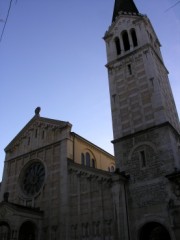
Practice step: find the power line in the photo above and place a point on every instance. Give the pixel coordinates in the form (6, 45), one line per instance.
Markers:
(5, 22)
(172, 6)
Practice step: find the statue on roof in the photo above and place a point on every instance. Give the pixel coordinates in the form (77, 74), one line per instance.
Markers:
(37, 111)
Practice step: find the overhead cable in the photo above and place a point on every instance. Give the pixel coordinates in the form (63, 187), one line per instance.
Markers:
(172, 6)
(5, 22)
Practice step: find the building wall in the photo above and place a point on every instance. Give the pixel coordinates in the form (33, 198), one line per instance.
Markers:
(140, 92)
(145, 124)
(67, 197)
(91, 204)
(102, 159)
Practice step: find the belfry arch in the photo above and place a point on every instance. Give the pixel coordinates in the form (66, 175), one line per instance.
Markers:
(125, 39)
(154, 231)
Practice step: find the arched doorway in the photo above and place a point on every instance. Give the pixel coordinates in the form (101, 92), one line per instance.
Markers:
(28, 231)
(4, 231)
(154, 231)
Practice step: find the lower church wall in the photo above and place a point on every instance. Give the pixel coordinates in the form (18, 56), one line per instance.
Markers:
(90, 207)
(148, 157)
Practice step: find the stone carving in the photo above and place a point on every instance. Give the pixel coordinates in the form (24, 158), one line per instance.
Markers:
(37, 111)
(4, 212)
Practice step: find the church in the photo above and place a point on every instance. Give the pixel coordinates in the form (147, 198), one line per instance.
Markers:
(59, 186)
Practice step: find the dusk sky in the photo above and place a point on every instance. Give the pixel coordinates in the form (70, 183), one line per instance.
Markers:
(52, 55)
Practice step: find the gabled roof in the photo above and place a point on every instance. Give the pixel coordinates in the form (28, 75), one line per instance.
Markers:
(39, 120)
(92, 144)
(124, 6)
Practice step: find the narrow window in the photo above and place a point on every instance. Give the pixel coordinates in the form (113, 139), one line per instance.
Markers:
(87, 230)
(125, 41)
(42, 134)
(83, 230)
(152, 82)
(29, 140)
(114, 98)
(93, 163)
(112, 168)
(97, 229)
(118, 47)
(129, 69)
(143, 158)
(74, 231)
(151, 39)
(82, 159)
(87, 159)
(36, 132)
(134, 37)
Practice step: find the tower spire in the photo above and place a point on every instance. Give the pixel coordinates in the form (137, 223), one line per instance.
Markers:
(124, 6)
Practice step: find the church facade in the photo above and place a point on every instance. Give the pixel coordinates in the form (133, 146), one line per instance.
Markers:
(58, 185)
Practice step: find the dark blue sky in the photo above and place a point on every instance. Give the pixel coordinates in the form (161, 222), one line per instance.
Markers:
(52, 55)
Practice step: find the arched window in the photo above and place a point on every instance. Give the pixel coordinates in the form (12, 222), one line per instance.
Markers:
(88, 163)
(82, 159)
(125, 41)
(142, 157)
(112, 169)
(118, 46)
(134, 37)
(93, 163)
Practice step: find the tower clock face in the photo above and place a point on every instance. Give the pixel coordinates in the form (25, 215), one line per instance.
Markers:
(32, 178)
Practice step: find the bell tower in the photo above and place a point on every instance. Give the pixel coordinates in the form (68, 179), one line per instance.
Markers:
(141, 96)
(145, 121)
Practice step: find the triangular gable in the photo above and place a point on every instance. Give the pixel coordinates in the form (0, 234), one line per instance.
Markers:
(35, 122)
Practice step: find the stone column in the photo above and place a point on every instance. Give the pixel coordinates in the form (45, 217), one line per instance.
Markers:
(79, 230)
(64, 203)
(120, 208)
(102, 210)
(3, 183)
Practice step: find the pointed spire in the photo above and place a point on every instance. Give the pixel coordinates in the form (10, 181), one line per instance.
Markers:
(124, 6)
